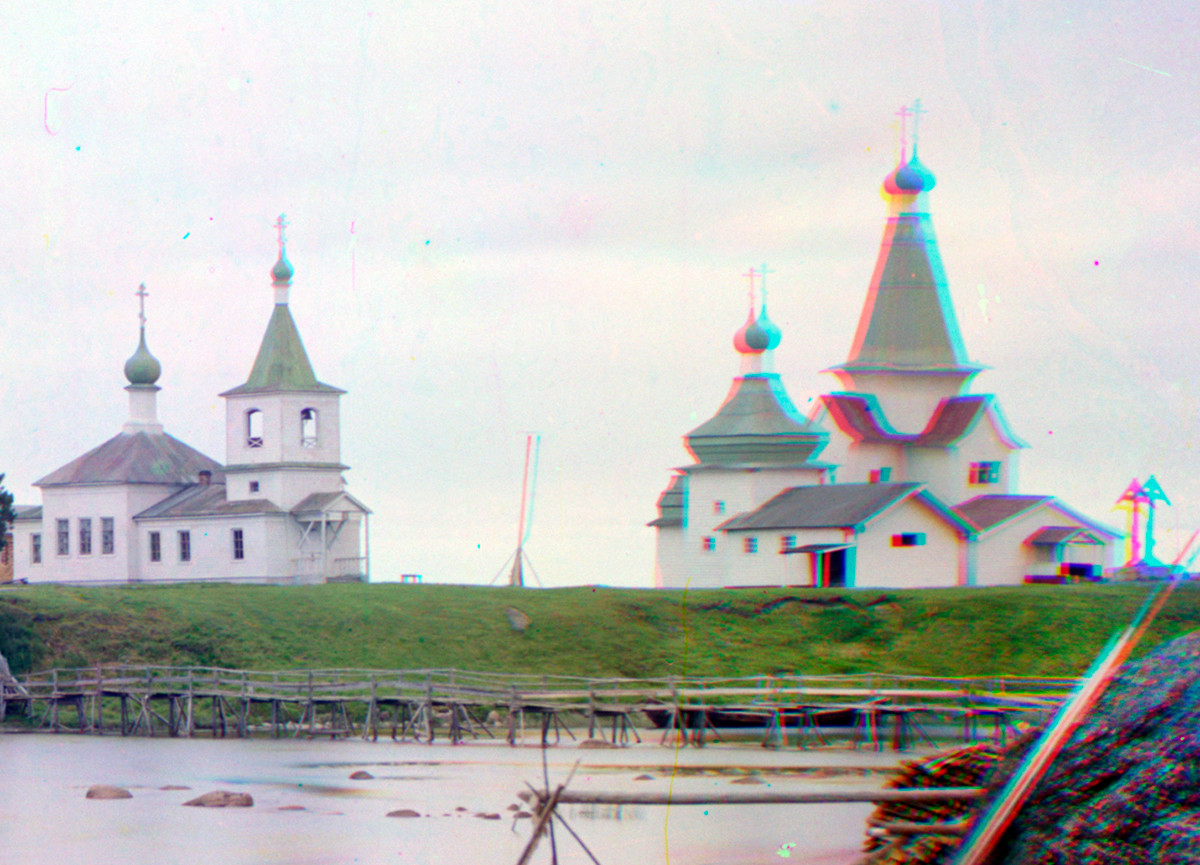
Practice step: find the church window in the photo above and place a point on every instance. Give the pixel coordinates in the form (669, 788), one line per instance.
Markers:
(718, 508)
(253, 486)
(750, 545)
(708, 544)
(155, 547)
(909, 539)
(984, 473)
(64, 537)
(254, 428)
(107, 536)
(787, 542)
(185, 546)
(308, 428)
(239, 549)
(85, 536)
(35, 549)
(881, 476)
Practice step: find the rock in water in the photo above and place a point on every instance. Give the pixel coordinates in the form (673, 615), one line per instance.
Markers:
(404, 812)
(1126, 787)
(107, 791)
(222, 799)
(361, 775)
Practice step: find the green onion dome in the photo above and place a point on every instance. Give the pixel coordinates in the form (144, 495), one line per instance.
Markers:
(143, 367)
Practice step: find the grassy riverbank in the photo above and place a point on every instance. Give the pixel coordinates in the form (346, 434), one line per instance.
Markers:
(1021, 630)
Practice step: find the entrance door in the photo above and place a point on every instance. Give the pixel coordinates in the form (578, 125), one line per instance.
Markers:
(835, 569)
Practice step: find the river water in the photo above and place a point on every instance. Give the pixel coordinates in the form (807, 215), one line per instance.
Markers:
(307, 811)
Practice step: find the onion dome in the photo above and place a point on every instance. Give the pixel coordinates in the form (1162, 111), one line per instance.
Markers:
(909, 178)
(752, 338)
(768, 327)
(143, 368)
(282, 271)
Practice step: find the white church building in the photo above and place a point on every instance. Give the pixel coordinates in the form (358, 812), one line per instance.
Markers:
(145, 506)
(900, 479)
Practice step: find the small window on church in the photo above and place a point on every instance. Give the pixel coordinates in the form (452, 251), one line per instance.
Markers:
(64, 537)
(254, 428)
(308, 428)
(185, 546)
(155, 547)
(984, 473)
(718, 508)
(750, 545)
(253, 486)
(787, 542)
(239, 547)
(880, 476)
(35, 549)
(708, 544)
(108, 536)
(85, 536)
(909, 539)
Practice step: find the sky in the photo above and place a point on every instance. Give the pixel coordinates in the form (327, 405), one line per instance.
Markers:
(506, 217)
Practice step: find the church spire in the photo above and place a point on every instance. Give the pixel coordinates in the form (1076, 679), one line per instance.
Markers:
(908, 328)
(142, 371)
(908, 322)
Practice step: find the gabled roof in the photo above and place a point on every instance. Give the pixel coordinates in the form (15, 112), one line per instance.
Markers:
(859, 416)
(27, 512)
(756, 423)
(987, 512)
(282, 363)
(135, 458)
(990, 512)
(822, 507)
(1052, 536)
(205, 500)
(316, 503)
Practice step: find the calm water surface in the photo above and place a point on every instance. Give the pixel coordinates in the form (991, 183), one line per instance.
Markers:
(44, 817)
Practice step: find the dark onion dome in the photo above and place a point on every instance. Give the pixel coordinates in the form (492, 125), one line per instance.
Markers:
(282, 271)
(143, 368)
(768, 327)
(751, 338)
(910, 178)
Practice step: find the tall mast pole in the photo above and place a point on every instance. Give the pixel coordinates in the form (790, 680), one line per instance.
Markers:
(517, 577)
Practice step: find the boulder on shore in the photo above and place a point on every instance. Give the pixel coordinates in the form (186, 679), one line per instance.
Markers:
(404, 812)
(361, 775)
(107, 791)
(222, 799)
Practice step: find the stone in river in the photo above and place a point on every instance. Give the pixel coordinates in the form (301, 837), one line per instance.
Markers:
(644, 778)
(107, 791)
(746, 779)
(361, 775)
(404, 812)
(222, 799)
(486, 816)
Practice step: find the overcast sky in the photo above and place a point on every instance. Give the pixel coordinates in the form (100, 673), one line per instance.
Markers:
(512, 216)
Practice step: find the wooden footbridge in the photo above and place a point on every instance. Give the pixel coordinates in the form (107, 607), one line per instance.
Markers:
(418, 704)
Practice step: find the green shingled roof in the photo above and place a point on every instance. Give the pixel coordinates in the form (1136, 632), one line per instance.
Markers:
(756, 424)
(908, 320)
(282, 363)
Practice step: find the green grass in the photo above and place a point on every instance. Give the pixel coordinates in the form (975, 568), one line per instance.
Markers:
(1025, 630)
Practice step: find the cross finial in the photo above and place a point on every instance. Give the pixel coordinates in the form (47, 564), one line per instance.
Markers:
(904, 113)
(142, 294)
(281, 223)
(917, 111)
(763, 273)
(750, 274)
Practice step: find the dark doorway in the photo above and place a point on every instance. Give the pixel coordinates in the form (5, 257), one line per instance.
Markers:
(835, 569)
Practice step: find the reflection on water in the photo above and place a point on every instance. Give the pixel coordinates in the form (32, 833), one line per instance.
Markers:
(307, 810)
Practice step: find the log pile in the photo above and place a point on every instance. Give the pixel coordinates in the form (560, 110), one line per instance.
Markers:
(903, 833)
(1125, 790)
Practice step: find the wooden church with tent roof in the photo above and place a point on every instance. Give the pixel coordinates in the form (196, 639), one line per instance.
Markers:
(901, 479)
(145, 506)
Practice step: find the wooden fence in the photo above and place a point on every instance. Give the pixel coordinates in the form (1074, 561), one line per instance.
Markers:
(187, 701)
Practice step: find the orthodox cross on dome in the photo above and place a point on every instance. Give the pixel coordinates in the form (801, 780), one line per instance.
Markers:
(763, 285)
(750, 274)
(904, 113)
(917, 111)
(281, 223)
(142, 294)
